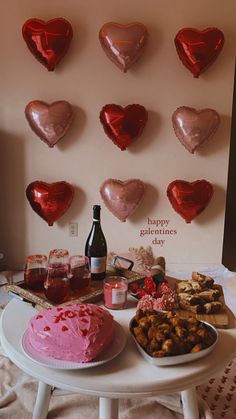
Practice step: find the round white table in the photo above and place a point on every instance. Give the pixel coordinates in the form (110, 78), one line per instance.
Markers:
(126, 376)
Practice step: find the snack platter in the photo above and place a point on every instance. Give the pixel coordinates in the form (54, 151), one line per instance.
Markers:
(205, 310)
(95, 293)
(174, 360)
(164, 357)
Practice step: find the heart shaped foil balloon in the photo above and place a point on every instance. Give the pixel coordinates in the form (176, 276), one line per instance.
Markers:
(49, 122)
(122, 197)
(122, 125)
(198, 49)
(123, 44)
(48, 41)
(50, 200)
(193, 127)
(189, 199)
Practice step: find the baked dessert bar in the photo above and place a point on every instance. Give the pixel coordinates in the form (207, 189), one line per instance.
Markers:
(199, 294)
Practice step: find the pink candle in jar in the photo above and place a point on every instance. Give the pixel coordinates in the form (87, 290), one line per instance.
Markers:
(115, 292)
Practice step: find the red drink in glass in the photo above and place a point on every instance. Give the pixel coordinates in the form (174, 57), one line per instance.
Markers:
(34, 278)
(35, 272)
(57, 285)
(80, 275)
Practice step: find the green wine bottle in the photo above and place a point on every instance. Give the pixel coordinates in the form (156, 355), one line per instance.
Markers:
(96, 247)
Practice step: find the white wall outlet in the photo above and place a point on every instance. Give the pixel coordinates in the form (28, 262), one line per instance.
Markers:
(73, 229)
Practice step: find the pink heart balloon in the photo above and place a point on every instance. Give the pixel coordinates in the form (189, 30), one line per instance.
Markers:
(122, 197)
(49, 122)
(193, 127)
(123, 44)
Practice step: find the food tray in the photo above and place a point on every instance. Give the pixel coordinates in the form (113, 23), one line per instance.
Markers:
(95, 293)
(176, 359)
(219, 320)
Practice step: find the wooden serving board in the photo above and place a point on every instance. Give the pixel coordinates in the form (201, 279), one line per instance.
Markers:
(219, 320)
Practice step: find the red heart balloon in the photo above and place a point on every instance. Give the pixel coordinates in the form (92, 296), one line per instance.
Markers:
(48, 41)
(122, 125)
(198, 49)
(189, 199)
(50, 201)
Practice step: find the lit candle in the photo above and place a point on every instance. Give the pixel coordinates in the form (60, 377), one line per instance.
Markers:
(115, 292)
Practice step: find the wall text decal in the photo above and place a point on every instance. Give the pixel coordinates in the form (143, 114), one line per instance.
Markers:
(158, 229)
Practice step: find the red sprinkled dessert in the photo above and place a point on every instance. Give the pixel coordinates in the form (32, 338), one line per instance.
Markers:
(76, 332)
(165, 302)
(154, 294)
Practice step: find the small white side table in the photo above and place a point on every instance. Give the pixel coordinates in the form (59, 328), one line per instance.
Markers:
(127, 376)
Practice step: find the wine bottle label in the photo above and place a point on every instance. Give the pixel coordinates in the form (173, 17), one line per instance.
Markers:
(118, 296)
(98, 265)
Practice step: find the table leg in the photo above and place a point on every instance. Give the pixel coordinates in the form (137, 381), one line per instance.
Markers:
(108, 408)
(190, 404)
(42, 401)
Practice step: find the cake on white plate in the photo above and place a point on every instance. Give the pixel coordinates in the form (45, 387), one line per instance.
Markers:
(75, 332)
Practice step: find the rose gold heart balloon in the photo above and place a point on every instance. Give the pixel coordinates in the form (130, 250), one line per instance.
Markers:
(193, 127)
(50, 200)
(122, 197)
(49, 122)
(123, 44)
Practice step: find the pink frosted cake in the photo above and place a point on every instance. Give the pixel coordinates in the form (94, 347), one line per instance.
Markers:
(76, 332)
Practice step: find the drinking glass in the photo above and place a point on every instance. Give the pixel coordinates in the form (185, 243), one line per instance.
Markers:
(57, 283)
(80, 274)
(35, 272)
(58, 256)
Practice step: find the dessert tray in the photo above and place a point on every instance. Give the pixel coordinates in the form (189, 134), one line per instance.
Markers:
(114, 349)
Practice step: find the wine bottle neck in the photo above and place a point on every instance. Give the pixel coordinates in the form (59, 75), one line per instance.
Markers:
(96, 212)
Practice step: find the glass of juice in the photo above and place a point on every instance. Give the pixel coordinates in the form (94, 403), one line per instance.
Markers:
(35, 272)
(80, 274)
(57, 283)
